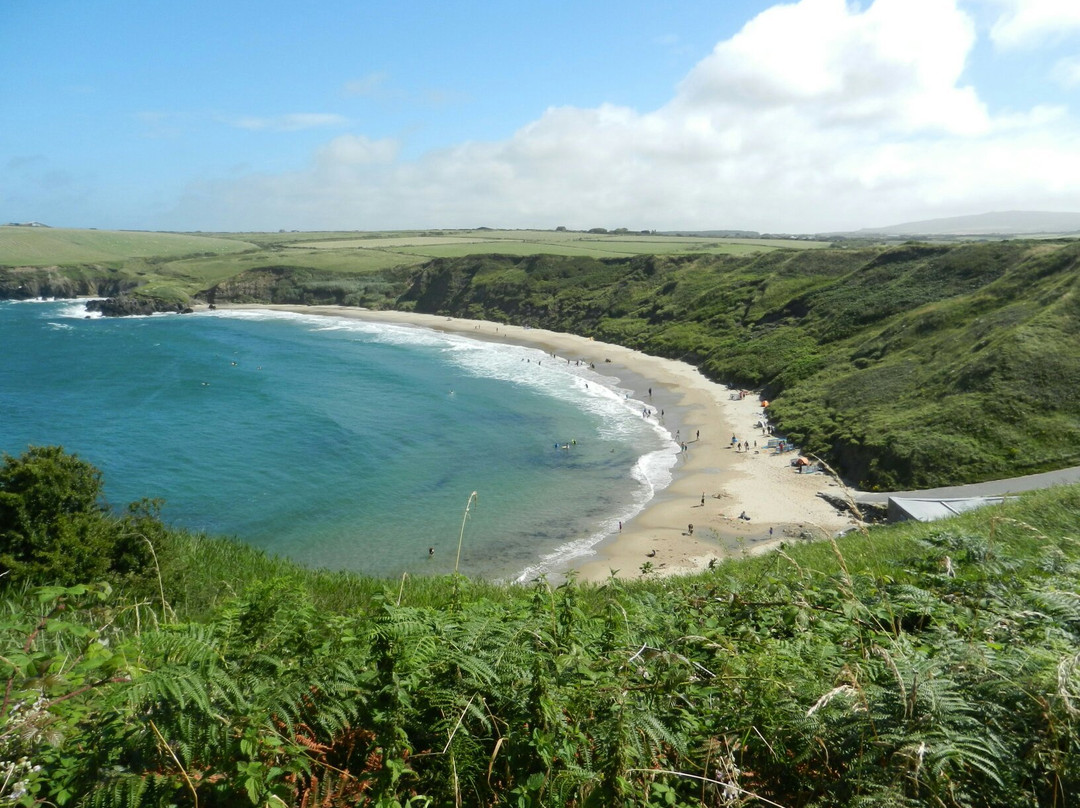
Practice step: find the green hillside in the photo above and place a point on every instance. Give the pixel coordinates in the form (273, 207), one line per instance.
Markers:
(907, 367)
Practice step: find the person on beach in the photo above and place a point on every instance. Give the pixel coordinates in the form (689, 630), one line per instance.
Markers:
(690, 528)
(702, 499)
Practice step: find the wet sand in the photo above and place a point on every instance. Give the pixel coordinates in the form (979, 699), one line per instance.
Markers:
(782, 505)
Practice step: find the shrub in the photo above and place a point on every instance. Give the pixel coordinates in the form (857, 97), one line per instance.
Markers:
(54, 525)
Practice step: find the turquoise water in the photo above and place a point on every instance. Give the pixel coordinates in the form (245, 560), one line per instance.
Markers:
(334, 442)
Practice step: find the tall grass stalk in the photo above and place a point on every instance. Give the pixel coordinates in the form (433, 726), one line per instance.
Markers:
(461, 536)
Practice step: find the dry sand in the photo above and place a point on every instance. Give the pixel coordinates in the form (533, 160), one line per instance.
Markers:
(782, 505)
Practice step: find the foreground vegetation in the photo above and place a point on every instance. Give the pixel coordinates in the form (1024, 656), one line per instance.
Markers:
(915, 665)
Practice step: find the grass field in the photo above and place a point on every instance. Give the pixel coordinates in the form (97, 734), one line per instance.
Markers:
(47, 246)
(458, 243)
(178, 265)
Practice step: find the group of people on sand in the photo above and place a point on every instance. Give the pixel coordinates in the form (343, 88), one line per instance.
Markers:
(741, 445)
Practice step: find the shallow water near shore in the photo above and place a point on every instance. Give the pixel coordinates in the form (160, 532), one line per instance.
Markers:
(336, 442)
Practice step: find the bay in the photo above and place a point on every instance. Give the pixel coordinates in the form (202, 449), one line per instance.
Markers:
(336, 442)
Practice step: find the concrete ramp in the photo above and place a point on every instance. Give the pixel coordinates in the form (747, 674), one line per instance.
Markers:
(904, 509)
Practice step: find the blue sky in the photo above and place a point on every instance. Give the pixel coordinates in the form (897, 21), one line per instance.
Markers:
(807, 116)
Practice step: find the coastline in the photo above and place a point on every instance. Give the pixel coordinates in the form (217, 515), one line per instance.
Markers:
(781, 504)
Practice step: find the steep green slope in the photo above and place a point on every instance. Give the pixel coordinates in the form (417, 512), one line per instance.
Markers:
(915, 366)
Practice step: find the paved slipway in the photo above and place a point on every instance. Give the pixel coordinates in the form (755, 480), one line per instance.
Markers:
(992, 488)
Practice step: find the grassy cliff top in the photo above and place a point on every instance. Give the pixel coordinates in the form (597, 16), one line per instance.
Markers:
(47, 246)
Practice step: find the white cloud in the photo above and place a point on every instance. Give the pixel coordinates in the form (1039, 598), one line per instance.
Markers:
(1030, 23)
(1067, 72)
(367, 85)
(818, 115)
(895, 65)
(292, 122)
(353, 150)
(160, 124)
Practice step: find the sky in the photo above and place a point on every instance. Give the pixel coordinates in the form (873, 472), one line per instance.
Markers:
(809, 116)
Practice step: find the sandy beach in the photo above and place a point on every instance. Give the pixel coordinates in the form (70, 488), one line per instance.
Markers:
(713, 483)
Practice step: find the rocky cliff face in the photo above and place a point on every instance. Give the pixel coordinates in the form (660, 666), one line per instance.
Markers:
(27, 283)
(309, 287)
(254, 286)
(127, 306)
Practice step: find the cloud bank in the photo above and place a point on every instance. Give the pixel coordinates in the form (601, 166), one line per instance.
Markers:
(817, 116)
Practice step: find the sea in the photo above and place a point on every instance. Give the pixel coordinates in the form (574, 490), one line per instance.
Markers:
(338, 443)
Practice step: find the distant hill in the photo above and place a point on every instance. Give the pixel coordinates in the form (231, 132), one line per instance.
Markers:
(1001, 223)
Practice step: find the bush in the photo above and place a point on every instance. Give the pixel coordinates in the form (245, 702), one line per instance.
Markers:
(54, 525)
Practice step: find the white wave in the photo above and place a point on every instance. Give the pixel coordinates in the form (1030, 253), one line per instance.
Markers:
(653, 472)
(77, 310)
(70, 308)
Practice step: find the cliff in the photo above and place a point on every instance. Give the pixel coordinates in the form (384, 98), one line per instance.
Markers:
(28, 283)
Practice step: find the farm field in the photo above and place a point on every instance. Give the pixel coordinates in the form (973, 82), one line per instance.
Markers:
(47, 246)
(458, 243)
(178, 265)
